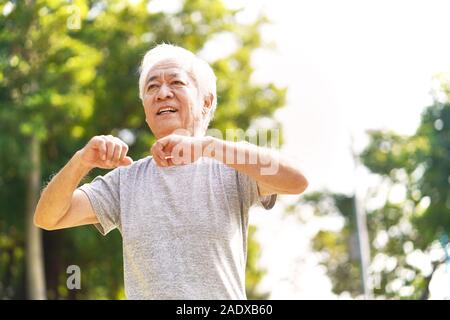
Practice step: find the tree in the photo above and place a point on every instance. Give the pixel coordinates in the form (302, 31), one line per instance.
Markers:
(40, 100)
(68, 72)
(416, 167)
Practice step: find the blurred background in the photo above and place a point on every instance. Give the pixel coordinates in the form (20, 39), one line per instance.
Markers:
(359, 89)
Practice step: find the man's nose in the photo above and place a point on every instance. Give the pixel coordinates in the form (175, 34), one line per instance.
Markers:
(164, 92)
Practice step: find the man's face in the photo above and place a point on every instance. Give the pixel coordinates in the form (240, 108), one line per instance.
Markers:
(171, 99)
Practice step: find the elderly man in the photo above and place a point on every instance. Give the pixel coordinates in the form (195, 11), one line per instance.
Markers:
(182, 212)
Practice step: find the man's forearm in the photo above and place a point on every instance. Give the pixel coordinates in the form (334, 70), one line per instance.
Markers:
(264, 165)
(56, 198)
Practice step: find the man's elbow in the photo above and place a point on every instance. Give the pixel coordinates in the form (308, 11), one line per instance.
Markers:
(301, 183)
(41, 223)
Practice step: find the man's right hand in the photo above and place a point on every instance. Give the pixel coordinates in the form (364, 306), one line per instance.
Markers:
(106, 152)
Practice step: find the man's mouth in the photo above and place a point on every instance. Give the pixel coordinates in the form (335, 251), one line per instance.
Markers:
(166, 110)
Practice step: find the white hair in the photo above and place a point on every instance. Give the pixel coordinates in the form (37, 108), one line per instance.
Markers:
(199, 69)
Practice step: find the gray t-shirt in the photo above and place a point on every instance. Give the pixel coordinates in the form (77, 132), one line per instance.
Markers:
(184, 228)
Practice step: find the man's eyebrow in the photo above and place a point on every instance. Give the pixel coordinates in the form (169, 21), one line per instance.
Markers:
(171, 75)
(151, 79)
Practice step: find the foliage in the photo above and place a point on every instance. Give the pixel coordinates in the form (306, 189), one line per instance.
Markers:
(64, 84)
(418, 167)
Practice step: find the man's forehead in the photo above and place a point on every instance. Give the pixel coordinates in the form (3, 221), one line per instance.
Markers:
(168, 67)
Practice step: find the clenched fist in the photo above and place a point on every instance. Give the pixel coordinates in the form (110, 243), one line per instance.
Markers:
(176, 149)
(106, 152)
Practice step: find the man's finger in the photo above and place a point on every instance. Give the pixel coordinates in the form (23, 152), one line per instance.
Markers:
(109, 151)
(158, 151)
(123, 152)
(162, 159)
(156, 158)
(100, 144)
(126, 161)
(169, 160)
(116, 154)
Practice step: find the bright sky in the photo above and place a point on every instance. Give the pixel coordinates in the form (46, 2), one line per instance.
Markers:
(349, 66)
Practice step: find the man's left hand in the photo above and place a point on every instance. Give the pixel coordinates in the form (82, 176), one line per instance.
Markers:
(176, 149)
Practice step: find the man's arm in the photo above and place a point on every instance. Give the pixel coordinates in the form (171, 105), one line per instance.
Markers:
(61, 205)
(274, 173)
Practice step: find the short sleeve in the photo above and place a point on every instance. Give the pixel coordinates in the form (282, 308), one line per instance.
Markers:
(104, 194)
(250, 195)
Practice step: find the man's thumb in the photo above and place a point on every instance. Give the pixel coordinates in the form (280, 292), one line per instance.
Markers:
(126, 161)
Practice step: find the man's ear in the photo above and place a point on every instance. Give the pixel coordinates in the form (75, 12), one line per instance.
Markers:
(207, 104)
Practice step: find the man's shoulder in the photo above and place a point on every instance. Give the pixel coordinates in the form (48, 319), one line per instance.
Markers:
(141, 162)
(137, 166)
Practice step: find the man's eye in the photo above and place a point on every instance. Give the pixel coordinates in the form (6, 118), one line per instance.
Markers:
(177, 82)
(152, 86)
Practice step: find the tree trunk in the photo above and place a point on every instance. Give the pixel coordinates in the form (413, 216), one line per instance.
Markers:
(34, 259)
